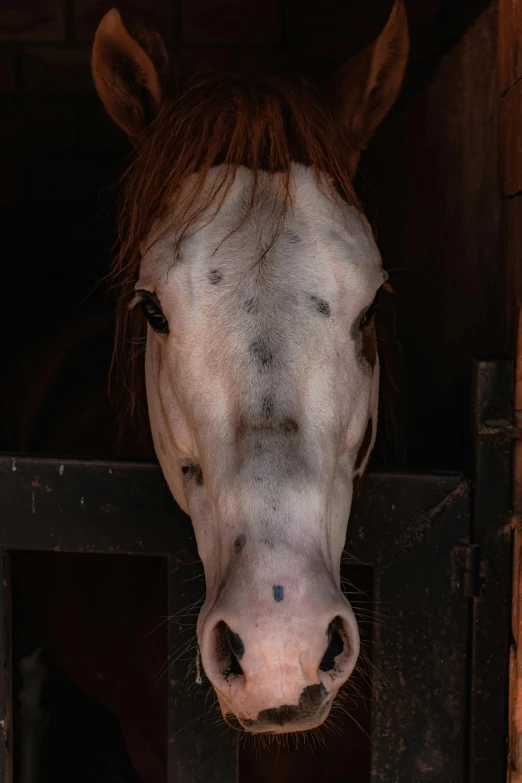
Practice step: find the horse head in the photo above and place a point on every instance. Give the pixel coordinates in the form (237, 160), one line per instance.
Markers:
(256, 277)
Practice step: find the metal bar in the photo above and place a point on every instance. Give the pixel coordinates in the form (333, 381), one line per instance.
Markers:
(491, 532)
(201, 747)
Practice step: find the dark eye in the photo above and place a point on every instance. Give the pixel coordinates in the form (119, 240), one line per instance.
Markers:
(370, 312)
(152, 311)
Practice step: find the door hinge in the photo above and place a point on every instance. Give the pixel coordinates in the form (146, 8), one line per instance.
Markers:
(468, 557)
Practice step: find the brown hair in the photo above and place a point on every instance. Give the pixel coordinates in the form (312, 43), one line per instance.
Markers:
(245, 118)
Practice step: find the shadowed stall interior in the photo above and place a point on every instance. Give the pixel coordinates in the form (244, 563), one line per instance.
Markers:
(428, 182)
(105, 652)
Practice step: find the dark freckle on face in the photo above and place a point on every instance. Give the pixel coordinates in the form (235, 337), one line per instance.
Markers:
(268, 424)
(278, 592)
(322, 306)
(262, 353)
(289, 425)
(252, 306)
(267, 408)
(239, 543)
(193, 471)
(215, 276)
(292, 237)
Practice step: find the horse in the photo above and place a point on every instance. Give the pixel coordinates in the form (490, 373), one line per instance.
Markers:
(244, 251)
(248, 271)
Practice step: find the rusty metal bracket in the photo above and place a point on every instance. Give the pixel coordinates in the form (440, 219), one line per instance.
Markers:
(501, 427)
(510, 428)
(468, 557)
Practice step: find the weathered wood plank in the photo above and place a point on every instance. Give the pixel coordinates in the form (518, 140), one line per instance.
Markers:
(6, 712)
(512, 219)
(515, 671)
(509, 43)
(511, 141)
(491, 534)
(436, 172)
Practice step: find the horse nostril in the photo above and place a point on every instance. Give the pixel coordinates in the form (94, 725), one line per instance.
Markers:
(236, 643)
(229, 650)
(335, 645)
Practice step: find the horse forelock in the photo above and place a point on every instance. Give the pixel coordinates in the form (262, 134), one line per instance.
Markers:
(260, 121)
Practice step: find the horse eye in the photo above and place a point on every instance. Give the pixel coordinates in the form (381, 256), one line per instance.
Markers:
(370, 312)
(151, 309)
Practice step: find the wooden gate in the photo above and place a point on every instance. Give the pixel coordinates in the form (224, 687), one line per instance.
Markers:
(439, 549)
(510, 141)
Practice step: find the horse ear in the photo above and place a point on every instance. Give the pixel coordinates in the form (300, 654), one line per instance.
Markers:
(124, 73)
(365, 88)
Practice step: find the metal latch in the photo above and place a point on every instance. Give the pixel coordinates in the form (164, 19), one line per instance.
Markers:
(503, 427)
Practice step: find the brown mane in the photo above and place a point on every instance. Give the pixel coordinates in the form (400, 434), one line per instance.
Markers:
(264, 122)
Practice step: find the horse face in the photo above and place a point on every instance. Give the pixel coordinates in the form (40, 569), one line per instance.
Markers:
(261, 361)
(262, 381)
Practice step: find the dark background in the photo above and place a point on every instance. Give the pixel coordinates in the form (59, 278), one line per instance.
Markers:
(429, 182)
(60, 157)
